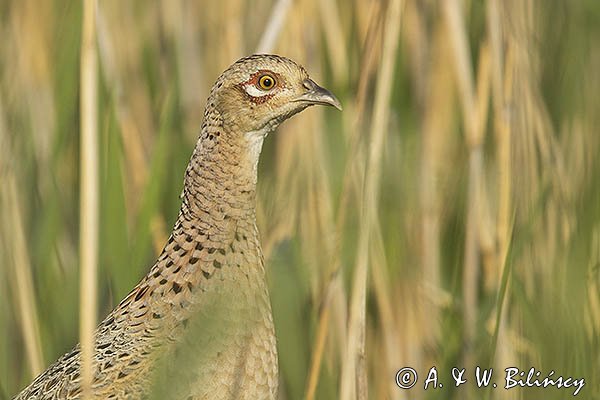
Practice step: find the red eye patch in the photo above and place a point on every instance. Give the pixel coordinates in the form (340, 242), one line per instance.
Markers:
(259, 87)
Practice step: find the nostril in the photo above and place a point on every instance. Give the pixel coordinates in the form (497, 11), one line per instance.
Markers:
(308, 84)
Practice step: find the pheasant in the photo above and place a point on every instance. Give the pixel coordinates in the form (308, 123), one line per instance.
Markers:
(199, 325)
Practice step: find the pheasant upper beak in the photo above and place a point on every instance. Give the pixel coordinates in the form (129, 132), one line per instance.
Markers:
(316, 94)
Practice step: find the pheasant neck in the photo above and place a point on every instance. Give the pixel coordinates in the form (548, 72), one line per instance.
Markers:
(215, 238)
(220, 180)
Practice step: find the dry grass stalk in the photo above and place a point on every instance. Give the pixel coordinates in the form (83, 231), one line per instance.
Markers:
(501, 77)
(420, 48)
(593, 301)
(356, 114)
(354, 376)
(482, 97)
(462, 69)
(21, 273)
(320, 340)
(390, 342)
(335, 39)
(436, 120)
(89, 187)
(274, 25)
(474, 112)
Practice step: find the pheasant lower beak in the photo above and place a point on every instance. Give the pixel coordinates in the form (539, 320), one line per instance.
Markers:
(316, 94)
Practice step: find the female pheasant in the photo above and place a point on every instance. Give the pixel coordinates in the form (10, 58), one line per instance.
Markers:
(199, 324)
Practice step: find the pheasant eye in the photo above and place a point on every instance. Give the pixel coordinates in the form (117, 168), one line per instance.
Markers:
(266, 82)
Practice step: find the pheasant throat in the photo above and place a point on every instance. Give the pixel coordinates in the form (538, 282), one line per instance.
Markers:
(221, 177)
(254, 141)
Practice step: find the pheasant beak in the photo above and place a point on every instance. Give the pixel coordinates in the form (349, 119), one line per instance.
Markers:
(316, 94)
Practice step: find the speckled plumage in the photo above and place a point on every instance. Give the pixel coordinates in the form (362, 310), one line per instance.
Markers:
(199, 324)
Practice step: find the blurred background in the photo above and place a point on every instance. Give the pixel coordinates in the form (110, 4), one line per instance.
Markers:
(448, 217)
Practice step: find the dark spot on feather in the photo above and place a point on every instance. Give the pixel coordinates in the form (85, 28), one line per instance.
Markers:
(141, 293)
(176, 287)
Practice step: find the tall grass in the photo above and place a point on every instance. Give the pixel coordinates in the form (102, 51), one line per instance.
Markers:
(89, 185)
(449, 216)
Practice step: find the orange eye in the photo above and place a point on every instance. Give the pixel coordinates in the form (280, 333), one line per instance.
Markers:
(266, 82)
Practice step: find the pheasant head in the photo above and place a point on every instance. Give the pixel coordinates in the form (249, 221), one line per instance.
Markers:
(261, 91)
